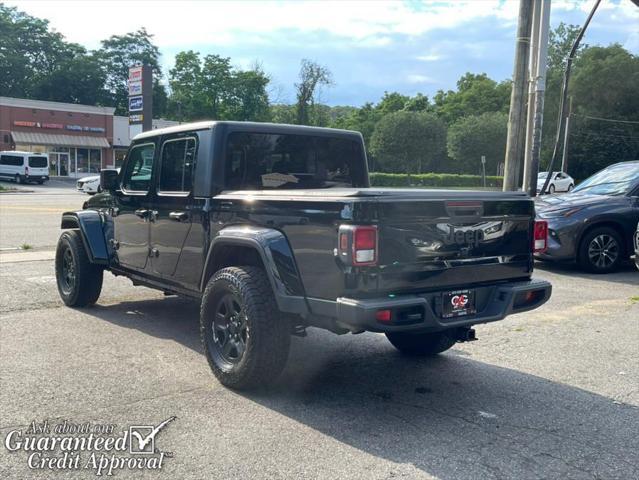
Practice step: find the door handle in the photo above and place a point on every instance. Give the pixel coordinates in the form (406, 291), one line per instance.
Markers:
(142, 213)
(179, 216)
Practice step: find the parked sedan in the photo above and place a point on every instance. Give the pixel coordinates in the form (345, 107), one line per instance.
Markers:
(90, 185)
(559, 182)
(594, 224)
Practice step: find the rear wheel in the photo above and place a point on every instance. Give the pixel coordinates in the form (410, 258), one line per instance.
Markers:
(245, 340)
(79, 281)
(18, 179)
(421, 344)
(601, 250)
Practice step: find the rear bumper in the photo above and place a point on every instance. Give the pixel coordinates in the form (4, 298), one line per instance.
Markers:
(36, 178)
(494, 302)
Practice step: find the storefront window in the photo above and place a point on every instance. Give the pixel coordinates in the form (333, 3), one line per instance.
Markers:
(95, 160)
(82, 160)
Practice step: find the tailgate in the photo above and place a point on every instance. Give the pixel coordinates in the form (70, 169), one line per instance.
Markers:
(428, 243)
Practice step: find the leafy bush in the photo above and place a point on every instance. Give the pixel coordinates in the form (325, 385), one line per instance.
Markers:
(432, 180)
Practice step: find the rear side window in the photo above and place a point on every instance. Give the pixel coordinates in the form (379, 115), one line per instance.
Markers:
(139, 166)
(284, 161)
(38, 162)
(176, 165)
(11, 160)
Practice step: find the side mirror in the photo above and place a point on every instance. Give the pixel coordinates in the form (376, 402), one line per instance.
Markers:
(109, 179)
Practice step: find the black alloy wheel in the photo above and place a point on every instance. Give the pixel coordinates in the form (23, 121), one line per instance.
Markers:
(230, 328)
(67, 277)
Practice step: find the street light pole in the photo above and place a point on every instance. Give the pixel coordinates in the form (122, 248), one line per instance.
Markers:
(564, 94)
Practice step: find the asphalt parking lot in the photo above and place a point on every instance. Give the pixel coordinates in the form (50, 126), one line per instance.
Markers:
(553, 393)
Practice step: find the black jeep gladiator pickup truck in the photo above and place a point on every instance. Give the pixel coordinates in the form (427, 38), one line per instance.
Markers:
(274, 228)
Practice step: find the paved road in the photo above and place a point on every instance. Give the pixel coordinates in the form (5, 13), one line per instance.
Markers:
(552, 393)
(34, 218)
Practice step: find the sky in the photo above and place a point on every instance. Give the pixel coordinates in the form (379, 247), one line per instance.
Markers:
(369, 46)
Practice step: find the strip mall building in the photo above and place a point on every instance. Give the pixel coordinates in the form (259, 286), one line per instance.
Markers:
(79, 139)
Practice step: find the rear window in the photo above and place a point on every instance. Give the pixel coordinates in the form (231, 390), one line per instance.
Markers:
(38, 162)
(264, 161)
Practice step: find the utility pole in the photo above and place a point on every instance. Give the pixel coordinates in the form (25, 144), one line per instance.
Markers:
(532, 81)
(540, 31)
(516, 120)
(564, 93)
(564, 155)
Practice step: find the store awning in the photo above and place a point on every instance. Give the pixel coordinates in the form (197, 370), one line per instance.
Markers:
(31, 138)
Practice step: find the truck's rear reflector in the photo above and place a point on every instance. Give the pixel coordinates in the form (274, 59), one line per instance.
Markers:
(383, 316)
(358, 245)
(540, 238)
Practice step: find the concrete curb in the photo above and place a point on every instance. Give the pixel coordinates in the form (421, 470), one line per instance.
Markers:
(26, 256)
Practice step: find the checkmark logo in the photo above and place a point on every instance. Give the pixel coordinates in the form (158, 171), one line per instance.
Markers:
(142, 437)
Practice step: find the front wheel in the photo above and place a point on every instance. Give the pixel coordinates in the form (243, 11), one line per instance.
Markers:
(79, 281)
(601, 250)
(245, 340)
(18, 179)
(570, 187)
(421, 344)
(551, 189)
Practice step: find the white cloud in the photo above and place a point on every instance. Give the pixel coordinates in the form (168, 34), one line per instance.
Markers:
(431, 57)
(418, 78)
(191, 22)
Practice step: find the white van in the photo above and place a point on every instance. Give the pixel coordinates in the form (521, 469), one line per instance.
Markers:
(24, 167)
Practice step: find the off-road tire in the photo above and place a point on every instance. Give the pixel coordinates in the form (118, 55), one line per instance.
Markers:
(584, 259)
(87, 285)
(421, 344)
(267, 335)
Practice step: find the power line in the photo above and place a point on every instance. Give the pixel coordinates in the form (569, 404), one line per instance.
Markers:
(606, 119)
(611, 135)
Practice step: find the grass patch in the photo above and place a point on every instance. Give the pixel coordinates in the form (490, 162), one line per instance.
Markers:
(26, 246)
(634, 299)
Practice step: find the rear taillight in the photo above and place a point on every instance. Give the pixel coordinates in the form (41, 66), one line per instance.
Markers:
(540, 237)
(358, 245)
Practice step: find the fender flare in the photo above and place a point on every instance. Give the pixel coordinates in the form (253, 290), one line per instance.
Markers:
(277, 257)
(89, 222)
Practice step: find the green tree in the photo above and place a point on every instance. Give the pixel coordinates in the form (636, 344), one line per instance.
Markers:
(409, 142)
(78, 79)
(211, 88)
(38, 63)
(391, 103)
(117, 54)
(603, 84)
(475, 135)
(312, 78)
(418, 103)
(249, 97)
(186, 102)
(281, 113)
(476, 94)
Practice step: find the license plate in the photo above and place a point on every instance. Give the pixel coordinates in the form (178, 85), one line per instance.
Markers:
(458, 303)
